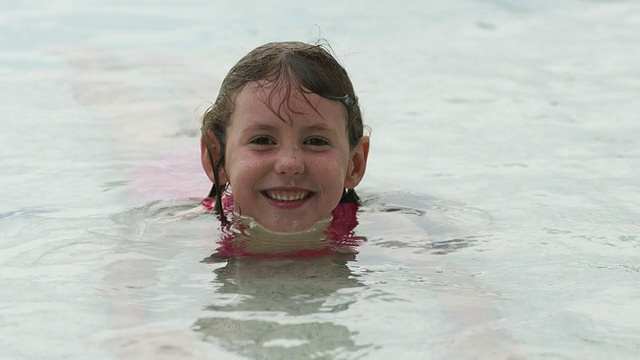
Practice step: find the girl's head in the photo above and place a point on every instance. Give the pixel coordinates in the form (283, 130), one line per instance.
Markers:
(286, 133)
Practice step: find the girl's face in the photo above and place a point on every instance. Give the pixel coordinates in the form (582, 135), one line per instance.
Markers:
(289, 172)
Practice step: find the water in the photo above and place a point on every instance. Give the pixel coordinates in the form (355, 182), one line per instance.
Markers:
(511, 125)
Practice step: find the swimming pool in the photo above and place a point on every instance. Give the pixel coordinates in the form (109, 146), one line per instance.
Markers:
(511, 126)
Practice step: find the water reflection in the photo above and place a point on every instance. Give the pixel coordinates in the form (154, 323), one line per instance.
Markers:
(283, 308)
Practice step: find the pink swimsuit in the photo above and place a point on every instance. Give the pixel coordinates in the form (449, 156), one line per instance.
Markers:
(340, 233)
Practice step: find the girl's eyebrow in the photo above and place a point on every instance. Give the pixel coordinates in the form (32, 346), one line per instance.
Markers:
(263, 126)
(260, 127)
(319, 127)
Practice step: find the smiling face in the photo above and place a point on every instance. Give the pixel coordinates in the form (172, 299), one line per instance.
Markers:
(288, 168)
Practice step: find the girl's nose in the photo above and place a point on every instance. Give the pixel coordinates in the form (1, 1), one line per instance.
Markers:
(290, 161)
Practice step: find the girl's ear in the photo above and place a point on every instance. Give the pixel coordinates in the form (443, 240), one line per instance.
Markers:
(358, 163)
(215, 153)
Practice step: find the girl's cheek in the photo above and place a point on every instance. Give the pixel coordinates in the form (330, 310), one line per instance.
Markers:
(245, 161)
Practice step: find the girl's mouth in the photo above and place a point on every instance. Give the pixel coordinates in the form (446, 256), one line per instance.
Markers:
(287, 196)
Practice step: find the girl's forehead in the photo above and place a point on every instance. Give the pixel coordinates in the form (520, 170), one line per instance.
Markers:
(270, 92)
(287, 101)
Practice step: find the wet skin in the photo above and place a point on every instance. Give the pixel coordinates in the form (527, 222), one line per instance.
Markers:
(288, 168)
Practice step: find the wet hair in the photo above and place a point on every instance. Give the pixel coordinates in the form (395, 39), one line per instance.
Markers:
(286, 67)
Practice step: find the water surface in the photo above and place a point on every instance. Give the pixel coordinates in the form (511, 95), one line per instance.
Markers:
(502, 198)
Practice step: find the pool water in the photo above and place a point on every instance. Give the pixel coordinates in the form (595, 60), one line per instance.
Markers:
(501, 197)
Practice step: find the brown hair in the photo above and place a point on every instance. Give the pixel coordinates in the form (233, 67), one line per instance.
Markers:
(287, 66)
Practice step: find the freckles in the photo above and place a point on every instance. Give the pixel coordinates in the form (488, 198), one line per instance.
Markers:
(246, 163)
(331, 165)
(332, 172)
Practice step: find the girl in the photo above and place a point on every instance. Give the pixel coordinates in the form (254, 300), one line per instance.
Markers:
(286, 134)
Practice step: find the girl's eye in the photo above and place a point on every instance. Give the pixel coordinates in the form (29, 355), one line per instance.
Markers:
(315, 141)
(262, 140)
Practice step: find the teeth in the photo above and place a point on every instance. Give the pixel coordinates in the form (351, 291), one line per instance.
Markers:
(287, 196)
